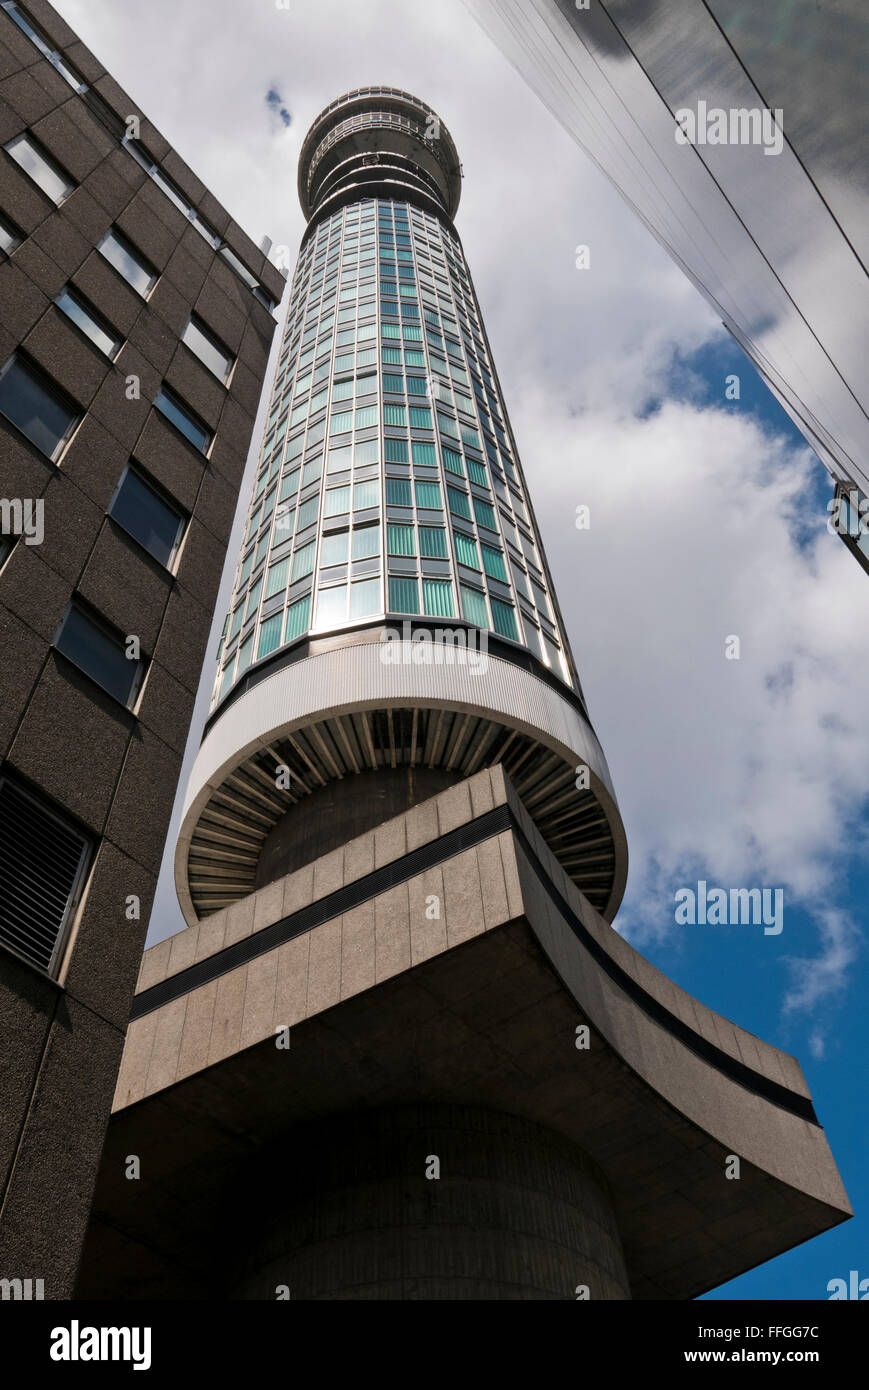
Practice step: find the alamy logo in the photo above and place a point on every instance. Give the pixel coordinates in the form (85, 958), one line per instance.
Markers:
(740, 125)
(22, 516)
(849, 514)
(22, 1289)
(741, 907)
(440, 646)
(854, 1288)
(76, 1343)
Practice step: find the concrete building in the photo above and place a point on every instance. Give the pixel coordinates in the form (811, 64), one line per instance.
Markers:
(736, 132)
(398, 1051)
(135, 326)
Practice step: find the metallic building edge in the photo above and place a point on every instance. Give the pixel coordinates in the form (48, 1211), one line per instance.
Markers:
(319, 688)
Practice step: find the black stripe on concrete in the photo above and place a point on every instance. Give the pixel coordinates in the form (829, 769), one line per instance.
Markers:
(427, 857)
(323, 910)
(737, 1071)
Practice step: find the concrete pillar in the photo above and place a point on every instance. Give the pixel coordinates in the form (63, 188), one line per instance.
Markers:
(339, 811)
(347, 1211)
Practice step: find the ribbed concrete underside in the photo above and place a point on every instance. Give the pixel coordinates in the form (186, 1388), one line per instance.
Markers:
(238, 818)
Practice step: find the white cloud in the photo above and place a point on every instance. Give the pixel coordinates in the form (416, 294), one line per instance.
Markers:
(816, 980)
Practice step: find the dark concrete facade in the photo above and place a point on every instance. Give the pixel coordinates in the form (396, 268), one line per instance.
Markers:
(109, 768)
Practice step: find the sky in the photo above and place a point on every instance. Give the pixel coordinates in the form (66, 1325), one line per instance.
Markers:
(707, 515)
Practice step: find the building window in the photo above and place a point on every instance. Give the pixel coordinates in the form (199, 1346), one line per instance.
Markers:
(128, 262)
(437, 597)
(474, 607)
(10, 237)
(147, 517)
(36, 407)
(504, 619)
(79, 312)
(38, 39)
(333, 549)
(338, 500)
(428, 495)
(277, 577)
(453, 461)
(245, 652)
(298, 615)
(459, 504)
(183, 419)
(493, 563)
(433, 542)
(366, 452)
(43, 860)
(398, 492)
(308, 512)
(253, 599)
(40, 167)
(101, 652)
(270, 635)
(364, 598)
(332, 606)
(303, 561)
(218, 359)
(400, 540)
(477, 474)
(403, 595)
(466, 550)
(396, 450)
(424, 454)
(366, 542)
(365, 495)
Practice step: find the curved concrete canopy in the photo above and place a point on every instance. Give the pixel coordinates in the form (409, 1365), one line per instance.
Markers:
(350, 679)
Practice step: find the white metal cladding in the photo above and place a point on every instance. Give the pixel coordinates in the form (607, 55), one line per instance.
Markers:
(355, 676)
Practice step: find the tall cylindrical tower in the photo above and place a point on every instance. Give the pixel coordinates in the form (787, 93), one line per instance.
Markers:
(419, 1061)
(393, 626)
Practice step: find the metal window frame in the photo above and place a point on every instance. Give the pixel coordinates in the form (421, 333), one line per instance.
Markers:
(135, 254)
(49, 159)
(51, 389)
(97, 318)
(102, 624)
(163, 496)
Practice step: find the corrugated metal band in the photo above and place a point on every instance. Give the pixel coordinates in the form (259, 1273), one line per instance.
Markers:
(494, 822)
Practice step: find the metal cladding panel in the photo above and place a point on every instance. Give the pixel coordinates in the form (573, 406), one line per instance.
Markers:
(792, 289)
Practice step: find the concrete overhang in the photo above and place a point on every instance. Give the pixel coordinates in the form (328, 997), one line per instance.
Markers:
(479, 1006)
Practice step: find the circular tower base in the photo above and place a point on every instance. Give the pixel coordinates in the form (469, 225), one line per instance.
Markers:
(430, 1202)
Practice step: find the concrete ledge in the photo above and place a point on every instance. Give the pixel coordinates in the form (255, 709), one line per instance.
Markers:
(390, 1004)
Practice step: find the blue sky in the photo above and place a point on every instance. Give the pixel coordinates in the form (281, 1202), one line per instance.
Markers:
(743, 977)
(708, 516)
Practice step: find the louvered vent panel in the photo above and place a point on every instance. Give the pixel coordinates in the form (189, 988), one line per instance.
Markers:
(41, 862)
